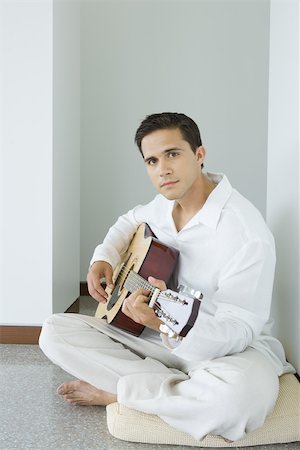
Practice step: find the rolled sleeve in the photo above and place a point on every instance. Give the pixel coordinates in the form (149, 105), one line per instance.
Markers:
(117, 239)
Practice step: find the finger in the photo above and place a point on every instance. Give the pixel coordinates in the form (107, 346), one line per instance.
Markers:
(96, 290)
(108, 277)
(142, 298)
(100, 298)
(134, 300)
(143, 292)
(131, 310)
(160, 284)
(126, 308)
(138, 292)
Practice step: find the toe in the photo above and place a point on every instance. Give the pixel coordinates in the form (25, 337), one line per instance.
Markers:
(61, 389)
(67, 387)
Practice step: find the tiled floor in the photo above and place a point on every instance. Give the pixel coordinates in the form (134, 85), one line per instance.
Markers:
(33, 416)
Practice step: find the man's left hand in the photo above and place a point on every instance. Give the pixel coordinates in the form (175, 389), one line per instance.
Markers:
(136, 306)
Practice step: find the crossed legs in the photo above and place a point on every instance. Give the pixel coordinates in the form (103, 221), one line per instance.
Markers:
(227, 396)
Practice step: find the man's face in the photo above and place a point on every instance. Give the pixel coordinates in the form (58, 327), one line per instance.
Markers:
(171, 164)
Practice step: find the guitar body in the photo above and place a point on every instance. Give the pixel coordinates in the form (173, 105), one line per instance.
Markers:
(146, 256)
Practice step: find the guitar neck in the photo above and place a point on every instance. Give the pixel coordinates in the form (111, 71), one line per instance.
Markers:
(134, 281)
(177, 311)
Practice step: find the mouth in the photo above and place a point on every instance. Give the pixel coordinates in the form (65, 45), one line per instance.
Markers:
(167, 184)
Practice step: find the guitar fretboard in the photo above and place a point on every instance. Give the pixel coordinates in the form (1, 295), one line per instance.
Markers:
(172, 308)
(134, 281)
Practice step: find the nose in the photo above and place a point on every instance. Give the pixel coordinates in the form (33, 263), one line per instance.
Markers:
(164, 168)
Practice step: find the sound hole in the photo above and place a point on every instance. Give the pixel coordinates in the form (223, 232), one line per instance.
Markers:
(119, 284)
(114, 297)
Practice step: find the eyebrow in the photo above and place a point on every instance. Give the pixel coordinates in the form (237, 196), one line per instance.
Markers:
(168, 150)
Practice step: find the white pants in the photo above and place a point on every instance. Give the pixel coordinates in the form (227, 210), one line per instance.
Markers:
(227, 396)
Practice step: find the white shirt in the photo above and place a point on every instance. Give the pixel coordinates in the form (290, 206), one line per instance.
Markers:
(228, 253)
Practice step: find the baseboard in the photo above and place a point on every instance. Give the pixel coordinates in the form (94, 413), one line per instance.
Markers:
(27, 334)
(19, 334)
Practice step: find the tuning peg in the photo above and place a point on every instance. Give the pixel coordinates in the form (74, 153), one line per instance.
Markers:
(190, 292)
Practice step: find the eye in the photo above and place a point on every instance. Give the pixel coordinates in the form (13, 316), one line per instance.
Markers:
(151, 162)
(173, 154)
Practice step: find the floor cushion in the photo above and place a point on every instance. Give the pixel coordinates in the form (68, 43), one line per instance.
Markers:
(281, 427)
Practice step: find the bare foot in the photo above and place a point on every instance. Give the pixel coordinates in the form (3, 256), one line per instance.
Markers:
(82, 393)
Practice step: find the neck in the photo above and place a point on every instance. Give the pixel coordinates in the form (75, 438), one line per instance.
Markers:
(195, 199)
(187, 207)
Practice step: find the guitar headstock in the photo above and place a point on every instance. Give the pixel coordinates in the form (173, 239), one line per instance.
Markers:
(177, 311)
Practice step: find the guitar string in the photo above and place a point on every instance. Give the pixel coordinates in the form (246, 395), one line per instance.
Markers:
(143, 284)
(140, 282)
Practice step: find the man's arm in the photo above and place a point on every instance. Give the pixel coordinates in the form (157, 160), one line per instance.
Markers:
(108, 254)
(242, 299)
(116, 240)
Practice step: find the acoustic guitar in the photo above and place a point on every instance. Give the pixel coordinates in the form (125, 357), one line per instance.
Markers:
(147, 256)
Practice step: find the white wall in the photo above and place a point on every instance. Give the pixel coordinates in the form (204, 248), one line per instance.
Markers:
(66, 153)
(26, 159)
(283, 171)
(208, 59)
(39, 238)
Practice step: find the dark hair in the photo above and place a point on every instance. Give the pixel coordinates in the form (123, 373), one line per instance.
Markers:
(167, 120)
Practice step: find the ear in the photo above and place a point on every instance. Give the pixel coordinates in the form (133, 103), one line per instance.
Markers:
(200, 154)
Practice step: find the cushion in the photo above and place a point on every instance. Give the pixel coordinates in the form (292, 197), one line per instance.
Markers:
(280, 427)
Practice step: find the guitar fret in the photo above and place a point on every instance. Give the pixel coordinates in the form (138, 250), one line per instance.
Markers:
(134, 281)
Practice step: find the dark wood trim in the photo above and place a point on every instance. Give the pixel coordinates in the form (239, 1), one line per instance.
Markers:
(19, 334)
(27, 334)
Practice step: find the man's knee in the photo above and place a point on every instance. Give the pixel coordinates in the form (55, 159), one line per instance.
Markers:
(50, 330)
(46, 332)
(246, 402)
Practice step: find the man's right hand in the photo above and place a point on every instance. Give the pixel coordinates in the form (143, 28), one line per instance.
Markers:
(99, 270)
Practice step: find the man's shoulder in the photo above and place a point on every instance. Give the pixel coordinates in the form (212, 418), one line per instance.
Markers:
(245, 217)
(158, 200)
(153, 207)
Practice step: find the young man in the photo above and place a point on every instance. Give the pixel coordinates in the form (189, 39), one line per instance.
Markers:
(222, 378)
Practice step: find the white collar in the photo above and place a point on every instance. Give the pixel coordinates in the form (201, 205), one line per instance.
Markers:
(211, 211)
